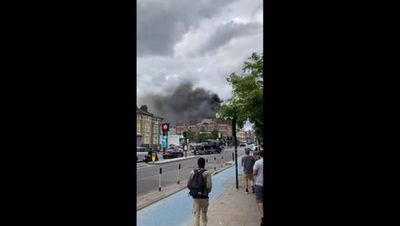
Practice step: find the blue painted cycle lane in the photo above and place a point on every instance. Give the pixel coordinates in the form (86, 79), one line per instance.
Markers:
(176, 210)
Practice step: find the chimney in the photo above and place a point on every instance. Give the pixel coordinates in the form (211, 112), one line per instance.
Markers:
(144, 108)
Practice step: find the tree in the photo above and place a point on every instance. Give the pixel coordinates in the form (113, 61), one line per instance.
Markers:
(247, 98)
(191, 135)
(202, 135)
(214, 134)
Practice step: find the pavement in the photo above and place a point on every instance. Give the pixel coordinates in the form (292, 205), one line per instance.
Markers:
(234, 208)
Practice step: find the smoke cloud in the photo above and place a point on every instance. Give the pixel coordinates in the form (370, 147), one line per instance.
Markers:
(185, 104)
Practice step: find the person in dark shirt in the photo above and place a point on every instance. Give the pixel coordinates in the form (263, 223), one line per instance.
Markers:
(247, 164)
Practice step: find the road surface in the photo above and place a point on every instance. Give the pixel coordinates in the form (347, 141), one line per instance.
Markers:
(147, 176)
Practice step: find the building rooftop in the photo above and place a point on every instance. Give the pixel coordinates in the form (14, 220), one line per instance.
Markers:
(141, 111)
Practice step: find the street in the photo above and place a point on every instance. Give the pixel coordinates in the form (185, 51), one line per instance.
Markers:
(148, 175)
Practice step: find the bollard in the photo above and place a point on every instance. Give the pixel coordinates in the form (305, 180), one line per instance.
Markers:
(222, 161)
(215, 163)
(179, 169)
(159, 180)
(206, 163)
(233, 157)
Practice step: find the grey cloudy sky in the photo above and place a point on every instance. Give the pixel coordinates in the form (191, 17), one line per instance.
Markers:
(197, 41)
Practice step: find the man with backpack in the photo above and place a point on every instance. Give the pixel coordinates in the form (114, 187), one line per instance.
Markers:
(200, 185)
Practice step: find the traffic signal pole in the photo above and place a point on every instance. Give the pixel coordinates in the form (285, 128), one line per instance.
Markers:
(165, 129)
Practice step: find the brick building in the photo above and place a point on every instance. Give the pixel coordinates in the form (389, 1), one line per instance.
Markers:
(250, 136)
(208, 125)
(241, 136)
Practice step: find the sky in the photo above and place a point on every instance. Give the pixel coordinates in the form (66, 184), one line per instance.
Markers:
(198, 42)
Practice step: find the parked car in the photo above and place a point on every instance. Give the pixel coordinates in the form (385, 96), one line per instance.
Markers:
(208, 148)
(217, 146)
(172, 152)
(200, 149)
(196, 149)
(242, 145)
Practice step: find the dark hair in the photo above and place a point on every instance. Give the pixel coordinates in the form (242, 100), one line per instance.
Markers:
(201, 162)
(247, 152)
(261, 153)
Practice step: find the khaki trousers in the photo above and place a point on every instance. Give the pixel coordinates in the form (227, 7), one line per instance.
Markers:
(200, 206)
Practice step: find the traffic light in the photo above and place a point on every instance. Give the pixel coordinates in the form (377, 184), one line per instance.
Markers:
(165, 127)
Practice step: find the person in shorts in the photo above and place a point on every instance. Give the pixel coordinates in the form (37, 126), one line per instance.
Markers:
(247, 164)
(259, 184)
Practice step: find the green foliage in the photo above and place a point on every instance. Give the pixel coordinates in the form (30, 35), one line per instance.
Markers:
(247, 99)
(191, 136)
(214, 135)
(202, 136)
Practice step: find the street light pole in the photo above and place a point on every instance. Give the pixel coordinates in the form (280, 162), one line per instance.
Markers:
(234, 141)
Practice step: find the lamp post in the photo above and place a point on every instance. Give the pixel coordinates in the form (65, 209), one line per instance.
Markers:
(235, 143)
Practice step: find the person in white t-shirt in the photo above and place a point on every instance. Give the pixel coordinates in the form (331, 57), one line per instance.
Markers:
(259, 184)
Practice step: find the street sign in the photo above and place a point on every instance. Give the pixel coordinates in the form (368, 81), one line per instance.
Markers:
(165, 142)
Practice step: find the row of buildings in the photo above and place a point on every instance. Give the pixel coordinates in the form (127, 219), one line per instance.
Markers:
(148, 128)
(222, 126)
(207, 125)
(245, 136)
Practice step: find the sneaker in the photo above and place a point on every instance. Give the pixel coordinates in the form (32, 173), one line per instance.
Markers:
(247, 190)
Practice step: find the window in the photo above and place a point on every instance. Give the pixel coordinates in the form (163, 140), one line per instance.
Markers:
(147, 139)
(138, 124)
(155, 130)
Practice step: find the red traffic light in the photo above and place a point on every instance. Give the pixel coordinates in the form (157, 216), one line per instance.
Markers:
(165, 127)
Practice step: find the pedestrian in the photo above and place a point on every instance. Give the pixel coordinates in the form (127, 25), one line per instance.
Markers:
(259, 184)
(247, 164)
(200, 186)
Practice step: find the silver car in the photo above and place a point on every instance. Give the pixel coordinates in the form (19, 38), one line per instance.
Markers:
(141, 154)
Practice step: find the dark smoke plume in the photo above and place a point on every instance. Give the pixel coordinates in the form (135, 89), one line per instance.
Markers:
(185, 104)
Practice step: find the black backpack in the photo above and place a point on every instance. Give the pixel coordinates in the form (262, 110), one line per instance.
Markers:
(197, 186)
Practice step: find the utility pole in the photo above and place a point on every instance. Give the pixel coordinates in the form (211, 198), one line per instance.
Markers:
(235, 143)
